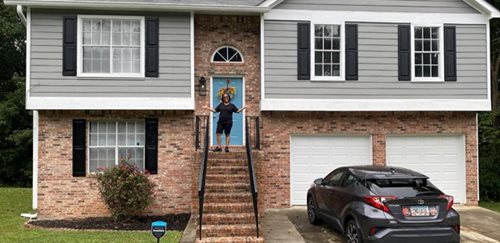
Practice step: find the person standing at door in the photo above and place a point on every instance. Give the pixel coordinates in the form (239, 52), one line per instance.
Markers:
(225, 123)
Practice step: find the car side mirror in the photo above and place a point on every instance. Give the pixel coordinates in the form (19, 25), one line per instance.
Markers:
(318, 181)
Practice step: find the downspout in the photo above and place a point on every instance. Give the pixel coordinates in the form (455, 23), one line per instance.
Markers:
(24, 20)
(21, 15)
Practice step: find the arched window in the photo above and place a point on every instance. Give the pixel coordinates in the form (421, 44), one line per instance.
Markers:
(227, 54)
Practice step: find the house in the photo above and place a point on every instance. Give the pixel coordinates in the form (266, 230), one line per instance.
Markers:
(334, 83)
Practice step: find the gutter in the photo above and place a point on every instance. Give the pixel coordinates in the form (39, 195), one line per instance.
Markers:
(140, 6)
(21, 15)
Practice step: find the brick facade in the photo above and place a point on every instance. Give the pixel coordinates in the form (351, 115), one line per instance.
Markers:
(242, 32)
(277, 127)
(60, 195)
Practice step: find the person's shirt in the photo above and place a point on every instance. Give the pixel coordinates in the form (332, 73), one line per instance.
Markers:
(226, 112)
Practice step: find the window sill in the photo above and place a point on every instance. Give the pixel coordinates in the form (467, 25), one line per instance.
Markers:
(111, 78)
(437, 80)
(328, 80)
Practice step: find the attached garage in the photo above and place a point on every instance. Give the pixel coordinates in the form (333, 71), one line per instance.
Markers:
(441, 157)
(314, 157)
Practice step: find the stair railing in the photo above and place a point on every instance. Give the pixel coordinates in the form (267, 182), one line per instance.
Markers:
(203, 170)
(251, 171)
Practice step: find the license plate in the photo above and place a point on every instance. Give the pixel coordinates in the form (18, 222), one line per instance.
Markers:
(419, 211)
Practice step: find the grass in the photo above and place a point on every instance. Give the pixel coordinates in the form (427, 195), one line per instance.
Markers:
(14, 201)
(495, 206)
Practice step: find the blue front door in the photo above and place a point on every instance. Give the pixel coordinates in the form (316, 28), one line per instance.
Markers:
(236, 85)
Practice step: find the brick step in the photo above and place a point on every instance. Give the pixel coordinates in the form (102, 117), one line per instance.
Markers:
(227, 169)
(228, 218)
(227, 162)
(228, 197)
(241, 239)
(227, 178)
(226, 187)
(246, 207)
(228, 230)
(230, 155)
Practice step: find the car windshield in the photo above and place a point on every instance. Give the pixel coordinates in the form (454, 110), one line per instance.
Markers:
(402, 187)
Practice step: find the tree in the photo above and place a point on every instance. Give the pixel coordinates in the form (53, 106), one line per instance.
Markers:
(495, 57)
(15, 120)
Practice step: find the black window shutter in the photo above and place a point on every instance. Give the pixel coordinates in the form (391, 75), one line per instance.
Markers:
(152, 47)
(79, 136)
(450, 53)
(69, 45)
(303, 51)
(351, 67)
(404, 53)
(152, 145)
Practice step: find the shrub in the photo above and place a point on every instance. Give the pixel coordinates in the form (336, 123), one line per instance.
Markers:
(126, 190)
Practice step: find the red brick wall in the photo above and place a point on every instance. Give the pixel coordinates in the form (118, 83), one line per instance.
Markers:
(60, 195)
(274, 166)
(241, 32)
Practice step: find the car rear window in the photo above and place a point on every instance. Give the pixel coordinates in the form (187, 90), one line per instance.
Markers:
(402, 187)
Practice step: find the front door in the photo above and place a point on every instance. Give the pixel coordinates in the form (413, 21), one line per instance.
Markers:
(233, 86)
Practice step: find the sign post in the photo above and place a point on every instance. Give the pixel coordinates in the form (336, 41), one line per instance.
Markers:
(158, 229)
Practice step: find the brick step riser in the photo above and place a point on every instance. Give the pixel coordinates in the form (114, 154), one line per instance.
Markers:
(221, 219)
(227, 179)
(226, 191)
(227, 156)
(215, 209)
(227, 171)
(227, 200)
(231, 240)
(228, 231)
(229, 196)
(225, 186)
(228, 163)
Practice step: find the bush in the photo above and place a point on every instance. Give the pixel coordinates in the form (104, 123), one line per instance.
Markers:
(489, 156)
(126, 190)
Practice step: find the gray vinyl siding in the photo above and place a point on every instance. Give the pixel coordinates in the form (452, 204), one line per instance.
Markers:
(423, 6)
(46, 61)
(378, 67)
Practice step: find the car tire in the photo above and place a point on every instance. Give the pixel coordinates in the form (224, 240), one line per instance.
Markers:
(312, 213)
(353, 232)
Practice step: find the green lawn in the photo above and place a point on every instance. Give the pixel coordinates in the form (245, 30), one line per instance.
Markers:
(495, 206)
(14, 201)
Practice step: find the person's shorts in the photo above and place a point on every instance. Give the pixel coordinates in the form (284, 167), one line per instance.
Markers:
(224, 127)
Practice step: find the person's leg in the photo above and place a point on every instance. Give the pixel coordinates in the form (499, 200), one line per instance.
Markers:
(219, 140)
(227, 132)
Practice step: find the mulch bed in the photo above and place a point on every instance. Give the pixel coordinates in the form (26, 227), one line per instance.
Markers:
(175, 222)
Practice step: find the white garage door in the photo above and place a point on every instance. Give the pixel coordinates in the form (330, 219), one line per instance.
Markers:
(314, 157)
(441, 158)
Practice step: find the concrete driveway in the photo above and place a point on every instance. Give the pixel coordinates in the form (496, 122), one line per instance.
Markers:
(478, 225)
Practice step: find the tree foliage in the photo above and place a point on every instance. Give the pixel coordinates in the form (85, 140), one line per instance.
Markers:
(15, 121)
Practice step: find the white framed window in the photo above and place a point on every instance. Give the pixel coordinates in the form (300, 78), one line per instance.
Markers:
(227, 54)
(110, 46)
(328, 52)
(427, 56)
(111, 142)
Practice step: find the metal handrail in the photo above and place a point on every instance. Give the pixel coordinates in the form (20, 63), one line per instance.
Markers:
(203, 173)
(251, 171)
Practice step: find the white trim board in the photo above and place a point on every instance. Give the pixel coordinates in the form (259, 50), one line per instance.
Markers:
(375, 105)
(104, 103)
(34, 202)
(381, 17)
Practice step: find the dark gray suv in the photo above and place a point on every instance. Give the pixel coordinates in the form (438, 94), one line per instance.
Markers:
(383, 204)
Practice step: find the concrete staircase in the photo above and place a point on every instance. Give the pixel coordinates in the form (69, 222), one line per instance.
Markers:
(228, 214)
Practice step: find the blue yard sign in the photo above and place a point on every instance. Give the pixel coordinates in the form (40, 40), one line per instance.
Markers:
(158, 229)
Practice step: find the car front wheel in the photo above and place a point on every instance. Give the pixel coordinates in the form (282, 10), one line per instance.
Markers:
(312, 214)
(352, 232)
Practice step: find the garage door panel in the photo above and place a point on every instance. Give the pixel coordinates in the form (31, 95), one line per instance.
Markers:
(441, 157)
(314, 157)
